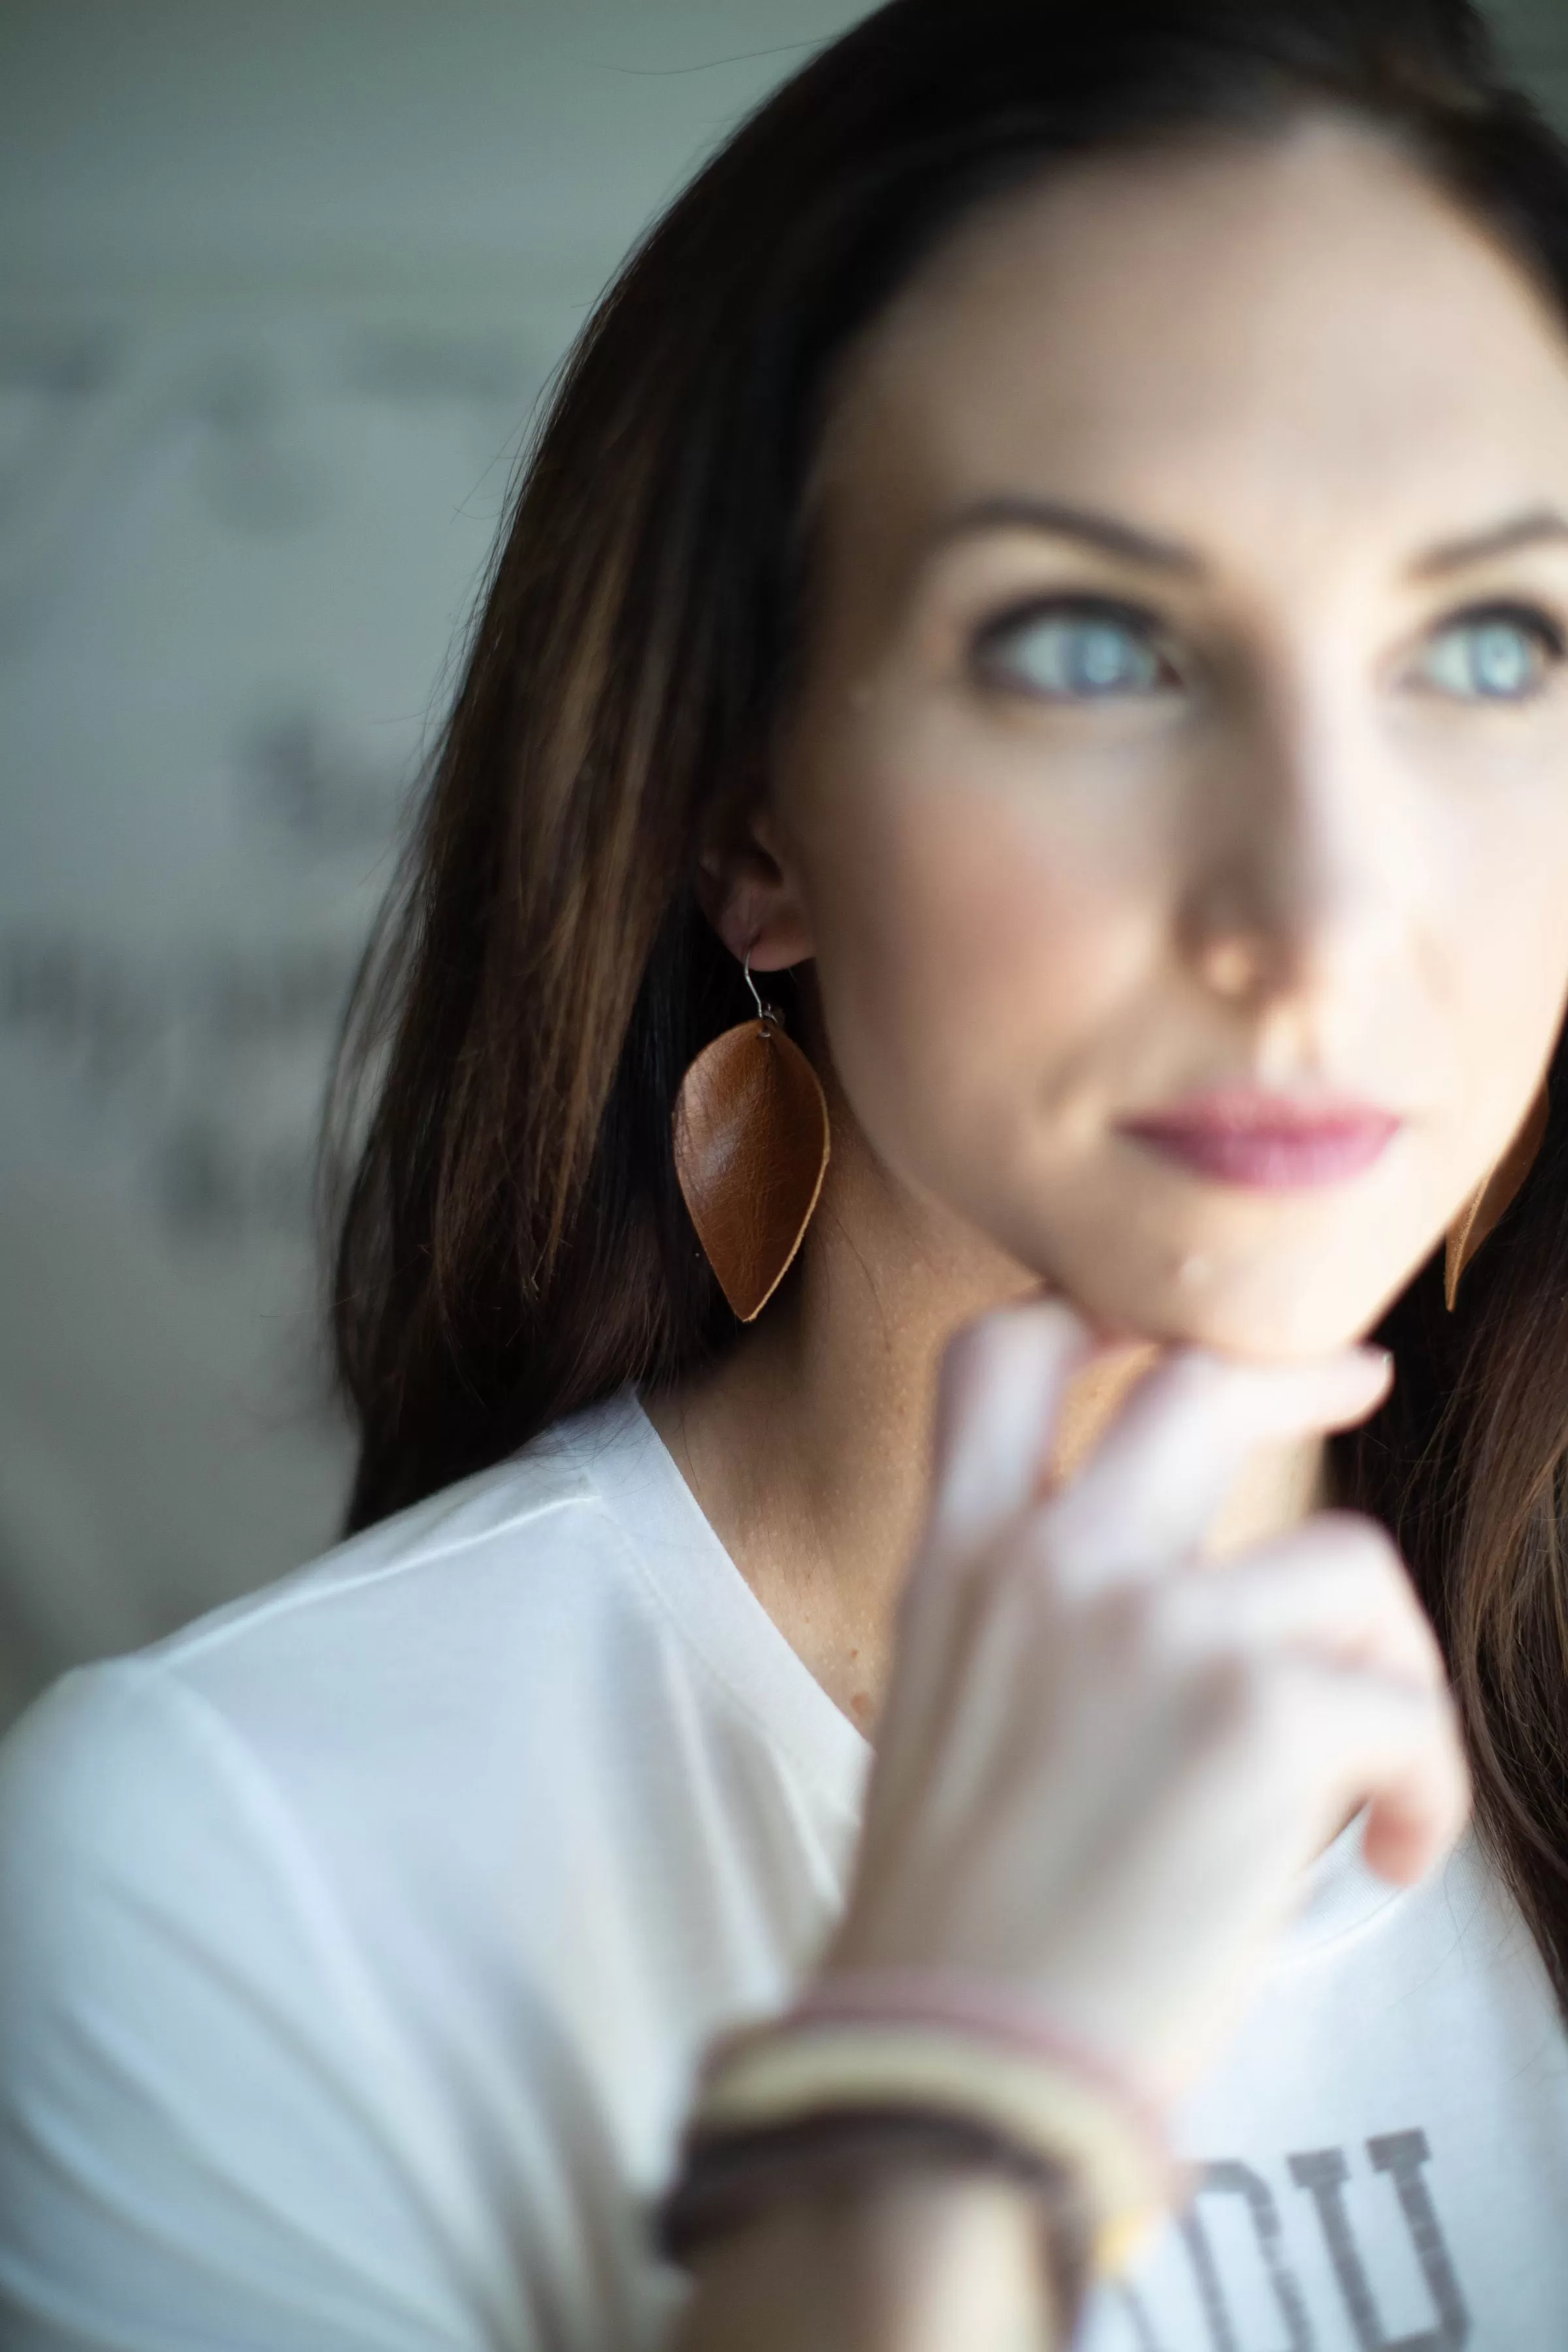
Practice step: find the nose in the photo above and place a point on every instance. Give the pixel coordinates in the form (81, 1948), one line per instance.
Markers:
(1299, 871)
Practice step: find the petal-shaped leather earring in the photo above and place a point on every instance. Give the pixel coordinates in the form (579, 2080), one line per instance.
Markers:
(1488, 1204)
(750, 1138)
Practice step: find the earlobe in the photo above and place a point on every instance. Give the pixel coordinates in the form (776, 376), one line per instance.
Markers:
(748, 896)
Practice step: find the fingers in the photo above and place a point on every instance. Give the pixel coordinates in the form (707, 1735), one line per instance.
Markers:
(999, 1392)
(1335, 1587)
(1414, 1823)
(1145, 1498)
(1394, 1749)
(1000, 1387)
(1332, 1602)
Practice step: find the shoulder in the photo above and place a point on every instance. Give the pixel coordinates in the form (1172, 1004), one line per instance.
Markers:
(257, 1884)
(120, 1796)
(192, 2075)
(557, 1641)
(448, 1709)
(402, 1894)
(369, 1694)
(481, 1599)
(554, 1501)
(567, 1615)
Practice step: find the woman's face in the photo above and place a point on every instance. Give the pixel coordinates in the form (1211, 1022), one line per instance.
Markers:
(1176, 807)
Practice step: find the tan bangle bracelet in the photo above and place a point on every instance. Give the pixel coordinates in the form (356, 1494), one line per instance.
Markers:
(787, 2072)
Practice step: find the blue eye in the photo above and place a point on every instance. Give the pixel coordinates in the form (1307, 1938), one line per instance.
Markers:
(1493, 657)
(1080, 654)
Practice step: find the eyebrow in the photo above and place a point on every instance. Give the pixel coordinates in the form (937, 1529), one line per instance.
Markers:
(1105, 532)
(1541, 527)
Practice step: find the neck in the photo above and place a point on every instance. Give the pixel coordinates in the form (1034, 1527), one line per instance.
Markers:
(808, 1446)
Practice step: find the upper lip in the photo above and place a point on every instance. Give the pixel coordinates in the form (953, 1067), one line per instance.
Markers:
(1254, 1110)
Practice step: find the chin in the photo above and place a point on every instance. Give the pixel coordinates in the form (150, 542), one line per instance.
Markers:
(1273, 1315)
(1266, 1280)
(1279, 1339)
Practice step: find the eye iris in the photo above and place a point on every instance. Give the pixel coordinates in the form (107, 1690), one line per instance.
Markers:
(1502, 658)
(1089, 657)
(1496, 660)
(1102, 657)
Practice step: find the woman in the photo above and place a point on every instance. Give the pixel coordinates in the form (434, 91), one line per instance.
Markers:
(1055, 553)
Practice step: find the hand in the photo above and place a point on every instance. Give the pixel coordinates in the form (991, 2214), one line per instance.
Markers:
(1105, 1763)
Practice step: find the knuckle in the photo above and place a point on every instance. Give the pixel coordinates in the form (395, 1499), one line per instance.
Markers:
(1232, 1693)
(1183, 1627)
(1191, 1376)
(1181, 1640)
(1258, 1700)
(1128, 1621)
(1118, 1625)
(1028, 1553)
(1364, 1540)
(1060, 1549)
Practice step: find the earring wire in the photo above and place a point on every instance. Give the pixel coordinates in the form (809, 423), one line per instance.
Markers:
(769, 1014)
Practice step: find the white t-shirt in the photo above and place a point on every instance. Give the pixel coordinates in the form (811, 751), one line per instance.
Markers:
(357, 1945)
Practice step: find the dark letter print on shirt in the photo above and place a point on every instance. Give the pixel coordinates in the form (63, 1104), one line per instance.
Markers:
(1240, 2181)
(1323, 2173)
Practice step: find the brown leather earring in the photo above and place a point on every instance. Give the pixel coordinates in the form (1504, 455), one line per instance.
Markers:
(750, 1138)
(1487, 1207)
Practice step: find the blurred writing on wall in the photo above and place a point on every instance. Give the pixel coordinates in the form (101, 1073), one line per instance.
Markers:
(233, 563)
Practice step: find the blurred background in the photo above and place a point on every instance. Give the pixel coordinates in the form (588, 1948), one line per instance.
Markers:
(280, 288)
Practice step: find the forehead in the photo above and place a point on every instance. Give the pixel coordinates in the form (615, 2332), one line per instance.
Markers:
(1250, 336)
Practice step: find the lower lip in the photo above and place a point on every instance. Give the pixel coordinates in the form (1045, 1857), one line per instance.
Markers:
(1273, 1158)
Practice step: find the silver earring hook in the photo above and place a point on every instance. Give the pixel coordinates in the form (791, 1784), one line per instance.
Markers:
(768, 1013)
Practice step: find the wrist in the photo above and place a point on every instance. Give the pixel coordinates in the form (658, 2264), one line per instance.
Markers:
(820, 2129)
(858, 2163)
(889, 2254)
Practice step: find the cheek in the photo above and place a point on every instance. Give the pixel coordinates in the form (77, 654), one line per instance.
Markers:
(1488, 842)
(970, 944)
(1512, 978)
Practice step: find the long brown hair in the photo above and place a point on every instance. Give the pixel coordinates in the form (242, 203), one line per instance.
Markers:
(511, 1242)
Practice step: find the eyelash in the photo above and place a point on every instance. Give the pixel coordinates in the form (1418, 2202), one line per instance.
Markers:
(1550, 633)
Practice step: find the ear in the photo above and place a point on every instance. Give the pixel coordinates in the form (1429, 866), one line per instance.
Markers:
(747, 889)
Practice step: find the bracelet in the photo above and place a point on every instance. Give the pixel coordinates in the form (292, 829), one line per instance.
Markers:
(942, 1997)
(727, 2178)
(901, 2040)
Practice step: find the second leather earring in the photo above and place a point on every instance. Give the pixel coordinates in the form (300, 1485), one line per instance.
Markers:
(1487, 1204)
(751, 1139)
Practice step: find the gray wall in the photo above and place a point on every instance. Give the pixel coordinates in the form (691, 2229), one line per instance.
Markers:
(277, 287)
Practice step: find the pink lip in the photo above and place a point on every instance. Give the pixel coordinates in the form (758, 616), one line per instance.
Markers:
(1269, 1143)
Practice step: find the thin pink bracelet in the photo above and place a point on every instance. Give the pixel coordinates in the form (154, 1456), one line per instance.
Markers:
(994, 2011)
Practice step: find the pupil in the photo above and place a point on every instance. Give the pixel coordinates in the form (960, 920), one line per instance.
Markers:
(1502, 658)
(1101, 657)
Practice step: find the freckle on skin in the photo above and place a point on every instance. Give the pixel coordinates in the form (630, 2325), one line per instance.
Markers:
(860, 1705)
